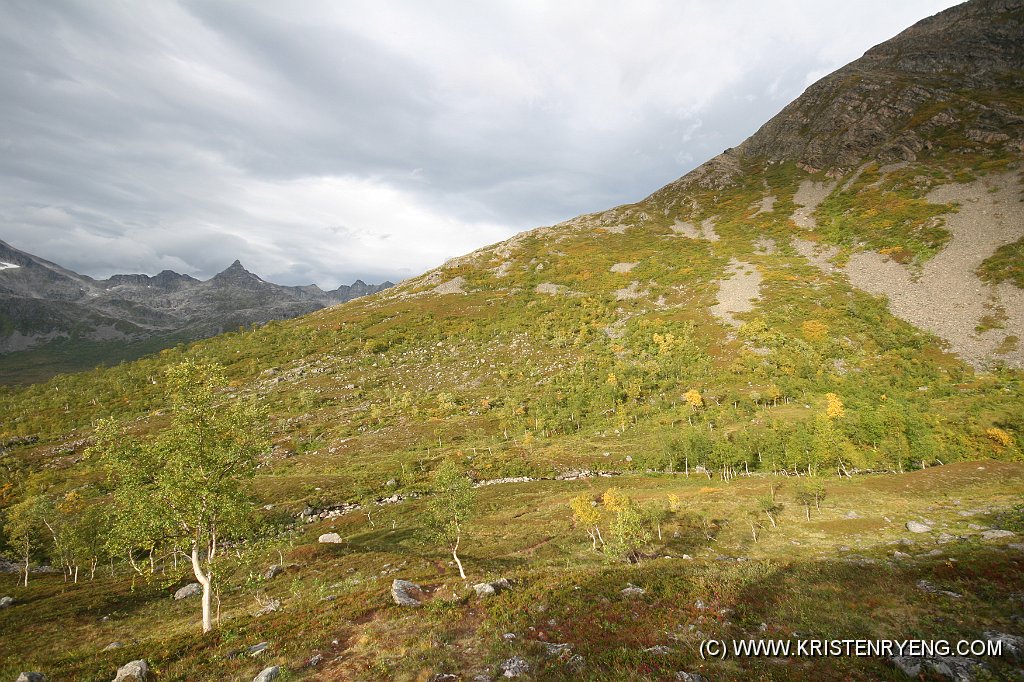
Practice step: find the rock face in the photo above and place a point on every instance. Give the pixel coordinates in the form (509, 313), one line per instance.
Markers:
(135, 671)
(402, 592)
(887, 105)
(42, 302)
(873, 106)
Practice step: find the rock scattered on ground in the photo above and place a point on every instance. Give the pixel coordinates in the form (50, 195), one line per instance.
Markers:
(329, 539)
(270, 607)
(133, 671)
(517, 666)
(6, 602)
(623, 268)
(31, 677)
(945, 295)
(492, 588)
(257, 649)
(737, 292)
(956, 668)
(930, 588)
(452, 286)
(112, 646)
(273, 571)
(807, 198)
(918, 527)
(402, 592)
(190, 590)
(268, 674)
(996, 534)
(632, 590)
(684, 676)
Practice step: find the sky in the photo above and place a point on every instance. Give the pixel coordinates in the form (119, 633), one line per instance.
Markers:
(324, 141)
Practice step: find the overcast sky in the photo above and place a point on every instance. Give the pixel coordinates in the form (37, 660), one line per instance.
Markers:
(325, 141)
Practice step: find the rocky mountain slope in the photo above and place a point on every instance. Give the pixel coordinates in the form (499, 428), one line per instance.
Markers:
(42, 303)
(802, 362)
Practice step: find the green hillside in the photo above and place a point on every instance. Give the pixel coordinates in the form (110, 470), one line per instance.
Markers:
(711, 352)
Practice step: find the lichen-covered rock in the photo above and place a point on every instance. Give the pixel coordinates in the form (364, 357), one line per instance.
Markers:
(6, 602)
(917, 527)
(268, 674)
(517, 666)
(133, 671)
(329, 539)
(31, 677)
(402, 592)
(190, 590)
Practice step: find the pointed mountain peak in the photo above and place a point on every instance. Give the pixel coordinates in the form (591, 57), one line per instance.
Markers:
(236, 273)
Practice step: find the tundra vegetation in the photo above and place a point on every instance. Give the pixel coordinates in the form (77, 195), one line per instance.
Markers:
(570, 426)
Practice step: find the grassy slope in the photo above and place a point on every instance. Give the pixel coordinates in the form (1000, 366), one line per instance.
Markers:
(512, 382)
(831, 576)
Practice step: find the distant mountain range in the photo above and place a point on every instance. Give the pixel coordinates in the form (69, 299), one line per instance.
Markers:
(53, 319)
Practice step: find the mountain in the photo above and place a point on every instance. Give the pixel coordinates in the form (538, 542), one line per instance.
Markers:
(780, 398)
(59, 314)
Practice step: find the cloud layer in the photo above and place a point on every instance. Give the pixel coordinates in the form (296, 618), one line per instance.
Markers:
(376, 140)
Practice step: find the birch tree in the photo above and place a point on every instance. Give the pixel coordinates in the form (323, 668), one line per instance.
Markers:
(184, 487)
(450, 509)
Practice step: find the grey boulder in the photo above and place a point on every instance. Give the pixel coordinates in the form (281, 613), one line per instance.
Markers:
(402, 591)
(6, 602)
(268, 674)
(997, 534)
(31, 677)
(516, 666)
(918, 527)
(190, 590)
(134, 671)
(492, 588)
(329, 539)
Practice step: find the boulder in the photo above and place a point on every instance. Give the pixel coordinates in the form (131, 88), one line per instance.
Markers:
(268, 674)
(1013, 645)
(273, 571)
(997, 534)
(270, 607)
(6, 602)
(492, 588)
(632, 590)
(402, 591)
(329, 539)
(257, 649)
(955, 668)
(134, 671)
(683, 676)
(918, 527)
(190, 590)
(31, 677)
(516, 666)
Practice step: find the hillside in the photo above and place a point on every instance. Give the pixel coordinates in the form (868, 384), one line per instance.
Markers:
(54, 320)
(804, 356)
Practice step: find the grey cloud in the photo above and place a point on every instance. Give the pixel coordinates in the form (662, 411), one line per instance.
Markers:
(188, 134)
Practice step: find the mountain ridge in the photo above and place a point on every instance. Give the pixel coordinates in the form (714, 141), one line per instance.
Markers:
(42, 303)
